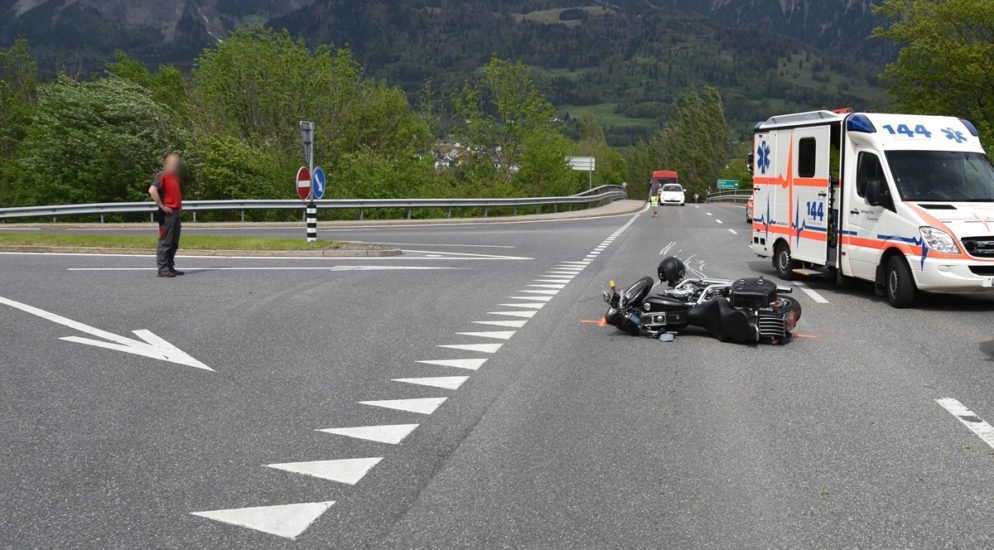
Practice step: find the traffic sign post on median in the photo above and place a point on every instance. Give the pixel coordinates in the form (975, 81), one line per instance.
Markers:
(311, 182)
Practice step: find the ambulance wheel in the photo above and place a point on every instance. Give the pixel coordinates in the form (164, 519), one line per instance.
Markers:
(783, 262)
(900, 285)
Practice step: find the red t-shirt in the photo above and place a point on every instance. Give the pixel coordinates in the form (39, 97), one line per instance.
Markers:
(169, 191)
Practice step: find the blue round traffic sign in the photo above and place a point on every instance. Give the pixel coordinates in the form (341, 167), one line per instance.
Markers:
(318, 183)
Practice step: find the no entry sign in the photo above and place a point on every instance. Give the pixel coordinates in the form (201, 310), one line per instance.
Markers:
(304, 183)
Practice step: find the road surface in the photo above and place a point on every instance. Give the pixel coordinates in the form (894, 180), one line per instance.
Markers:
(464, 396)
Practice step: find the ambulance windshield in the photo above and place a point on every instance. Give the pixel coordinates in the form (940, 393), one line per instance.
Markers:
(929, 176)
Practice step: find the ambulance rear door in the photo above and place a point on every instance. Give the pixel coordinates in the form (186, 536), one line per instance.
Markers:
(808, 193)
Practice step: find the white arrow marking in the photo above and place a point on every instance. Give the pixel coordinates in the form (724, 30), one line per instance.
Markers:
(392, 434)
(522, 314)
(470, 364)
(497, 335)
(151, 345)
(481, 348)
(426, 405)
(444, 382)
(349, 470)
(510, 324)
(287, 520)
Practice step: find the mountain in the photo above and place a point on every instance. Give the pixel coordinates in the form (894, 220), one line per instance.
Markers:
(626, 61)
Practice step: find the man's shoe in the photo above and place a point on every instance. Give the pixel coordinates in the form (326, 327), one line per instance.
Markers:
(176, 272)
(167, 274)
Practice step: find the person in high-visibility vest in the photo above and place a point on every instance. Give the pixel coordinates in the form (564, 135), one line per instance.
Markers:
(654, 190)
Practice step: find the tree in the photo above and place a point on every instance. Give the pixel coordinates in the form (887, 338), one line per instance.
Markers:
(95, 142)
(501, 110)
(258, 84)
(168, 86)
(695, 143)
(946, 62)
(18, 88)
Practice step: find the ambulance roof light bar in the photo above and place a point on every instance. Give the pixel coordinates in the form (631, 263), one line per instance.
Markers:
(860, 123)
(969, 126)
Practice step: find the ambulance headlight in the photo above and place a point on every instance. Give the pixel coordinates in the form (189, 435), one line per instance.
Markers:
(939, 241)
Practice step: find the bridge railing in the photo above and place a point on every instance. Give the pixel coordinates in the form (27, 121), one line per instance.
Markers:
(736, 196)
(598, 195)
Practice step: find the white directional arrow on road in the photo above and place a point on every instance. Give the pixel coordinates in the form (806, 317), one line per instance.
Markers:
(150, 345)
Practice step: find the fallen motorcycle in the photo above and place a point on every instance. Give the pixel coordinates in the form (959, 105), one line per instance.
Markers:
(747, 311)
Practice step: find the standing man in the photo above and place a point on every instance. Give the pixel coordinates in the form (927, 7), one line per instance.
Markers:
(165, 191)
(654, 190)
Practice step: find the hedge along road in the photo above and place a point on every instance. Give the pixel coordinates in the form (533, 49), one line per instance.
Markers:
(533, 428)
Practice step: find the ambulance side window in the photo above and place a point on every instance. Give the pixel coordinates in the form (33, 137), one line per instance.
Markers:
(807, 154)
(867, 168)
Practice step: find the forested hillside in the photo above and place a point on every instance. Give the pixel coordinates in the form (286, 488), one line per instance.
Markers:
(627, 61)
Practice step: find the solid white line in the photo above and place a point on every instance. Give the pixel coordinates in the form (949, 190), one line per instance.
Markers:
(818, 298)
(469, 255)
(271, 258)
(519, 314)
(556, 286)
(526, 306)
(554, 281)
(733, 232)
(969, 419)
(434, 244)
(281, 268)
(533, 298)
(544, 292)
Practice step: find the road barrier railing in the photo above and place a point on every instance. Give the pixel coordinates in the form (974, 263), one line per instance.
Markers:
(737, 196)
(603, 194)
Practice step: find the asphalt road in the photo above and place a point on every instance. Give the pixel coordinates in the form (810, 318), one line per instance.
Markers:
(567, 434)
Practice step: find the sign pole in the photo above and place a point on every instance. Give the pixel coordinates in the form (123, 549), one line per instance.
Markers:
(307, 136)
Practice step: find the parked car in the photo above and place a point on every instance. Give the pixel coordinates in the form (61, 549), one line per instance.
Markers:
(673, 193)
(749, 210)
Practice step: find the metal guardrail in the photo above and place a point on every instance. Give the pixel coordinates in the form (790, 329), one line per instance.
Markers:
(605, 193)
(732, 195)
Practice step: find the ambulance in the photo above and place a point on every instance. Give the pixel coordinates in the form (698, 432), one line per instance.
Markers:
(905, 201)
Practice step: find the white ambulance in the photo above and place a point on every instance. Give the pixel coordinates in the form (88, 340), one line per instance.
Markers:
(906, 201)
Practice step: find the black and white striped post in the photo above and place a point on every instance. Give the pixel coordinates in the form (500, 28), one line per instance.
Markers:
(312, 222)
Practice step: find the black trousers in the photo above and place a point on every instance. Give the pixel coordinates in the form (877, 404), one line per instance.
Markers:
(169, 230)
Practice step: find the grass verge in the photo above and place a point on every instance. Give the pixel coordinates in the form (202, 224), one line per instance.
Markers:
(192, 242)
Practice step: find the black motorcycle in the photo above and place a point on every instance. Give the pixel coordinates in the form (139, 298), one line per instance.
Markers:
(746, 311)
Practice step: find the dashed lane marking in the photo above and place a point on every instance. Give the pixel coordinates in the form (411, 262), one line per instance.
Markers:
(348, 471)
(733, 232)
(286, 520)
(444, 382)
(721, 222)
(543, 292)
(967, 417)
(495, 334)
(426, 405)
(554, 286)
(468, 364)
(480, 348)
(391, 434)
(813, 294)
(509, 324)
(524, 306)
(521, 314)
(533, 298)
